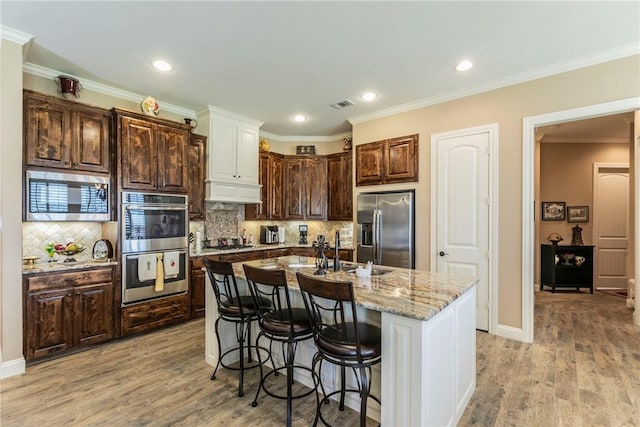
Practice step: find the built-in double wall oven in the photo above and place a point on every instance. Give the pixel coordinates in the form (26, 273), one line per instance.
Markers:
(154, 241)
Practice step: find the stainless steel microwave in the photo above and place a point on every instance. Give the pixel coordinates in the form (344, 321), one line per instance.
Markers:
(57, 196)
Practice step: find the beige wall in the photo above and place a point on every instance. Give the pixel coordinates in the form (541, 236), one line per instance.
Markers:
(597, 84)
(10, 206)
(322, 148)
(566, 175)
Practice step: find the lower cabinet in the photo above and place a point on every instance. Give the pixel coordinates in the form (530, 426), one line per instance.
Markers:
(154, 314)
(197, 283)
(67, 310)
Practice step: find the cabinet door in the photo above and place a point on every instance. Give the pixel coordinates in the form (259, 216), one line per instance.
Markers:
(47, 133)
(369, 167)
(224, 145)
(347, 175)
(247, 155)
(339, 171)
(93, 312)
(197, 284)
(91, 141)
(294, 185)
(275, 197)
(197, 168)
(138, 160)
(49, 322)
(257, 211)
(315, 180)
(401, 159)
(172, 159)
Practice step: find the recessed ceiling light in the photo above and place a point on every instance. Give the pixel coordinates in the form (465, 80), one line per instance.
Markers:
(464, 65)
(300, 118)
(162, 65)
(368, 96)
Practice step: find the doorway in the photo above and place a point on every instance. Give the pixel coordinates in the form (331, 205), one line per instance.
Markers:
(528, 192)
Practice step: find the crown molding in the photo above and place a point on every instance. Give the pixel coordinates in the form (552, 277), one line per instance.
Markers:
(44, 72)
(287, 138)
(230, 115)
(560, 67)
(587, 140)
(15, 36)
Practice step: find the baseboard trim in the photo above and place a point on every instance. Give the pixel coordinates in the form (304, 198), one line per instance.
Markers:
(510, 332)
(12, 368)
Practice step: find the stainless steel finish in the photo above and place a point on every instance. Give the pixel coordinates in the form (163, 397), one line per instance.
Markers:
(132, 291)
(67, 216)
(386, 228)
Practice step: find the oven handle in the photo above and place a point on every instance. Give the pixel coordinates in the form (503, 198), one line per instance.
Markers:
(136, 256)
(156, 208)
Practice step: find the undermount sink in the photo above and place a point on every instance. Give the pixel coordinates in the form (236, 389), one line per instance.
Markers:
(351, 268)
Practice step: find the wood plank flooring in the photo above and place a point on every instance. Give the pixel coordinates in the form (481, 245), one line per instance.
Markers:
(582, 370)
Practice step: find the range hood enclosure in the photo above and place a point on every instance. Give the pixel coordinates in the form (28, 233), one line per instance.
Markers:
(232, 166)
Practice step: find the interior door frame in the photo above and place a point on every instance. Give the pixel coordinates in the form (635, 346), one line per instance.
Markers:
(528, 193)
(492, 129)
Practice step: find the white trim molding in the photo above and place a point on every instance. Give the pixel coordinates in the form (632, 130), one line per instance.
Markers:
(11, 368)
(537, 73)
(15, 36)
(281, 138)
(529, 125)
(49, 73)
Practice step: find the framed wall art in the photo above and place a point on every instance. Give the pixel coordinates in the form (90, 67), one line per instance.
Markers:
(553, 211)
(577, 213)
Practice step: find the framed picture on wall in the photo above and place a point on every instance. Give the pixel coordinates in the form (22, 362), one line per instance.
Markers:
(553, 211)
(577, 213)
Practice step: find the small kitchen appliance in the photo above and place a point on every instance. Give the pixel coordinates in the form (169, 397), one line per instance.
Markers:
(269, 234)
(303, 234)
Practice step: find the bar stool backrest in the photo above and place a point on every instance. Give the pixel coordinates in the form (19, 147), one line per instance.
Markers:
(270, 294)
(224, 285)
(332, 310)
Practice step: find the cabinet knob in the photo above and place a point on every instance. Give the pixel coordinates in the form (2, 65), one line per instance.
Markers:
(66, 163)
(69, 294)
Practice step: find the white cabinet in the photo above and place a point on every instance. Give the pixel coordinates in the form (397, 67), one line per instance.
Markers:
(232, 158)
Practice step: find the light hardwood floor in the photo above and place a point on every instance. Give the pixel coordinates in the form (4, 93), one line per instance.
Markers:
(582, 370)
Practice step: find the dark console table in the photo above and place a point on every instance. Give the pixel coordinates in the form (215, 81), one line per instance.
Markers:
(559, 269)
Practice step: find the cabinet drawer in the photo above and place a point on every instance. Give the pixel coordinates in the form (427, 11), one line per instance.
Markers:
(154, 314)
(74, 278)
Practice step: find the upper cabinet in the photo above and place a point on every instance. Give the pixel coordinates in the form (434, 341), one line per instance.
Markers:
(63, 134)
(305, 187)
(386, 162)
(340, 176)
(271, 178)
(233, 158)
(197, 154)
(152, 153)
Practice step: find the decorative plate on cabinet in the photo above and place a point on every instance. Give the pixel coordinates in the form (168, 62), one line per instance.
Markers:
(150, 106)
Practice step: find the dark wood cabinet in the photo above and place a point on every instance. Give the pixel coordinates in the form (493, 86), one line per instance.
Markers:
(340, 191)
(197, 285)
(152, 153)
(67, 310)
(566, 267)
(154, 314)
(271, 179)
(197, 162)
(389, 161)
(67, 135)
(305, 187)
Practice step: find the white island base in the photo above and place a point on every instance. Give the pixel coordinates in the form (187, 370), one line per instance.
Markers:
(428, 370)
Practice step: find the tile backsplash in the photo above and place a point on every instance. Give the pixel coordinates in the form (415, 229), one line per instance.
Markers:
(36, 235)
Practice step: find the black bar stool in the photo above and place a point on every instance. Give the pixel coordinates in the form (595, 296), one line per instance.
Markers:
(340, 338)
(238, 309)
(279, 322)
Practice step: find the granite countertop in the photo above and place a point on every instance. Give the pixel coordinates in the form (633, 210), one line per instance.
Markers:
(59, 267)
(410, 293)
(259, 247)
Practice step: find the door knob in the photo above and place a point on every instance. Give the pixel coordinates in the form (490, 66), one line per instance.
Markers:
(442, 253)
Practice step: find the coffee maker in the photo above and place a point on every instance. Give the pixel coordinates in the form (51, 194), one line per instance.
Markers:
(303, 234)
(268, 234)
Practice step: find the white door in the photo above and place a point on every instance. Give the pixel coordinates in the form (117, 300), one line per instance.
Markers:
(462, 208)
(611, 225)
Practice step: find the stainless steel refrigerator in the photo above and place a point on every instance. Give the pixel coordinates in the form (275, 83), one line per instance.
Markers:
(386, 233)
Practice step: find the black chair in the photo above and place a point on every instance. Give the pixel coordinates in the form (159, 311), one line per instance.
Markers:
(340, 338)
(279, 322)
(238, 309)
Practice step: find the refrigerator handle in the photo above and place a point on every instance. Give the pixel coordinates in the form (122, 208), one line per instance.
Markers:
(376, 236)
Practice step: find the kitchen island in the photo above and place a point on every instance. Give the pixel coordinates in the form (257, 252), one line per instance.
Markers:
(427, 374)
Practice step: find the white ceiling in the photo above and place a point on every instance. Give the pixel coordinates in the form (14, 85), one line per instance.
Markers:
(271, 60)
